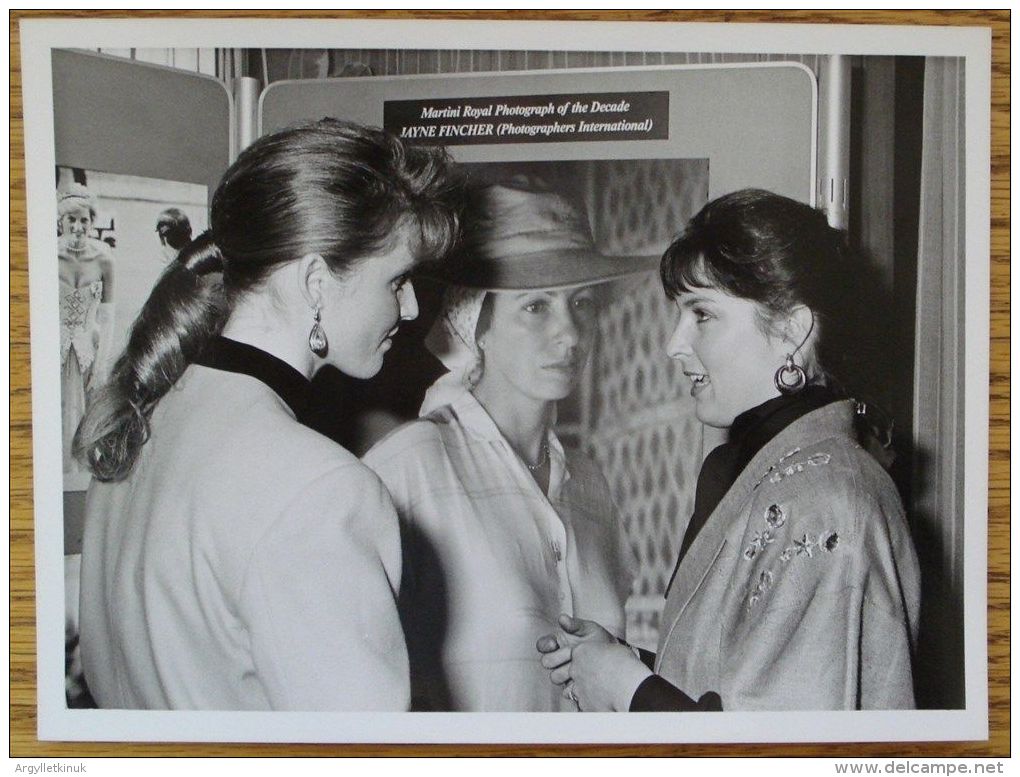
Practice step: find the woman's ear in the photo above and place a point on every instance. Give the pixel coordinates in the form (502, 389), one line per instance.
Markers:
(800, 325)
(312, 274)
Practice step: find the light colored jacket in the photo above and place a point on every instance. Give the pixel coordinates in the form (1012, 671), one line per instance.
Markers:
(247, 562)
(802, 591)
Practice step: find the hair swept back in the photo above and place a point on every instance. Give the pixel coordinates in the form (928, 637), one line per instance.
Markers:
(328, 187)
(777, 252)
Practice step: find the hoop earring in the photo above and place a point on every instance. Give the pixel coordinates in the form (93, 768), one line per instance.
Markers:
(785, 383)
(317, 342)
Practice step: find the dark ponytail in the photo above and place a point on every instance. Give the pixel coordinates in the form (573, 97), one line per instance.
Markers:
(185, 309)
(327, 187)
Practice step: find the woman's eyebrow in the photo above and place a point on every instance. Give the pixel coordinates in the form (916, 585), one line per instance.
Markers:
(689, 302)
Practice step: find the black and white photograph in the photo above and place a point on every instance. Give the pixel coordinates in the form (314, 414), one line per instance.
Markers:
(579, 368)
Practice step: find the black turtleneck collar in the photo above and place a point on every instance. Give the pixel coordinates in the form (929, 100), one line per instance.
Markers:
(749, 433)
(752, 429)
(228, 355)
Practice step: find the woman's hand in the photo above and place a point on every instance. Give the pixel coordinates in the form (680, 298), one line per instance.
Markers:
(598, 651)
(603, 677)
(555, 648)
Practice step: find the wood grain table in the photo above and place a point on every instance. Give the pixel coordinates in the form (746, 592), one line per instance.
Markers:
(23, 742)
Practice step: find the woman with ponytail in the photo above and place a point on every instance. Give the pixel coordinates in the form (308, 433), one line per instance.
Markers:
(234, 558)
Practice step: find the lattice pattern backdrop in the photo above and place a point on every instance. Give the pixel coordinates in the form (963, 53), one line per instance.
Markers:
(643, 431)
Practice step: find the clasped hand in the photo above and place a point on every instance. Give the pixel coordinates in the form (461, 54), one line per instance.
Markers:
(595, 670)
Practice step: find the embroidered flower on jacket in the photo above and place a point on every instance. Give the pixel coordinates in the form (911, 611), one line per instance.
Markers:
(763, 539)
(762, 478)
(758, 544)
(804, 546)
(814, 460)
(774, 516)
(828, 540)
(764, 584)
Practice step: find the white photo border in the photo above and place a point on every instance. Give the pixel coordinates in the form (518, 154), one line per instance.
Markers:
(40, 36)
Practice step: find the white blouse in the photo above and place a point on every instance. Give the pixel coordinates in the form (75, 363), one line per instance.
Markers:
(490, 561)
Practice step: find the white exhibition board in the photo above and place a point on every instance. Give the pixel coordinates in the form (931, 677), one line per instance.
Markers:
(755, 123)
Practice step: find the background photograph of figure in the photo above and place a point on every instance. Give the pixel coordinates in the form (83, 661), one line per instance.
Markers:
(116, 235)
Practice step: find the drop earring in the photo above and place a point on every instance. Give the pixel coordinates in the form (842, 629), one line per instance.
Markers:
(317, 342)
(790, 378)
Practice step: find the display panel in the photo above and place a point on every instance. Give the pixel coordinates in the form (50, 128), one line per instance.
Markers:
(643, 149)
(120, 116)
(754, 123)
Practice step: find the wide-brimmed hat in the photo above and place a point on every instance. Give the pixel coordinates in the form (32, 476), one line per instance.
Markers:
(519, 236)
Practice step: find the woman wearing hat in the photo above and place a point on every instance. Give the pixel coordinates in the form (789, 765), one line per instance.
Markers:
(797, 585)
(503, 528)
(86, 313)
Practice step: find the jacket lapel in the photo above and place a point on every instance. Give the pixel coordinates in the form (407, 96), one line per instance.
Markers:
(702, 555)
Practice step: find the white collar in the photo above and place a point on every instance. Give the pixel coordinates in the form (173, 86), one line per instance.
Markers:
(476, 420)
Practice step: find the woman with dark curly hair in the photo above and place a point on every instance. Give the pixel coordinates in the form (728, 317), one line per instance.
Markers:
(797, 585)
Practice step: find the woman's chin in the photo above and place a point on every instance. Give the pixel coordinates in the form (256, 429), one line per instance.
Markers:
(364, 370)
(713, 419)
(559, 391)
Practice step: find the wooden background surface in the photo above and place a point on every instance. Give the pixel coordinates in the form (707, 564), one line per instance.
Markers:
(23, 742)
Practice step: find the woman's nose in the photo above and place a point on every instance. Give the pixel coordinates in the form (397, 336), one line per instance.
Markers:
(679, 343)
(568, 328)
(408, 302)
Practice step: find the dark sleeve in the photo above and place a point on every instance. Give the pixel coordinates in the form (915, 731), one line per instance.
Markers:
(658, 695)
(647, 658)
